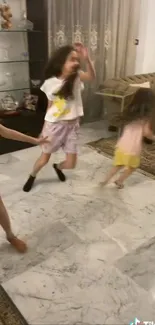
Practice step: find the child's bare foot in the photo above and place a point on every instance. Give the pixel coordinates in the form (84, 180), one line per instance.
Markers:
(119, 185)
(18, 244)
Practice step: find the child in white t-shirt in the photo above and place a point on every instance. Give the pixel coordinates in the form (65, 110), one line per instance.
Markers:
(62, 86)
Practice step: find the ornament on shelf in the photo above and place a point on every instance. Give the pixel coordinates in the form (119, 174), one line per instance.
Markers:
(29, 102)
(8, 103)
(6, 14)
(10, 77)
(24, 23)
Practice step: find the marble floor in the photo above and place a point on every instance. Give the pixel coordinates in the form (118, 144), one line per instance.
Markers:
(91, 257)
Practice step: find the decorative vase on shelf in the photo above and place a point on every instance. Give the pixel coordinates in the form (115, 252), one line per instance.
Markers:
(6, 16)
(24, 23)
(8, 103)
(10, 77)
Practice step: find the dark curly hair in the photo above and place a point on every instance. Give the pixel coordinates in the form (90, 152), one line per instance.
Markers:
(54, 69)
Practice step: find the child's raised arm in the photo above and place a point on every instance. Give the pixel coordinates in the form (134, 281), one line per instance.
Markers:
(14, 135)
(90, 73)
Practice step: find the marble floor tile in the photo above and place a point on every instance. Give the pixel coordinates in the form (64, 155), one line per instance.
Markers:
(142, 309)
(141, 194)
(75, 287)
(78, 268)
(140, 265)
(4, 178)
(43, 239)
(129, 234)
(138, 224)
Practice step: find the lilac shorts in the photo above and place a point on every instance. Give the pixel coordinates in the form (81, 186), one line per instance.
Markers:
(62, 134)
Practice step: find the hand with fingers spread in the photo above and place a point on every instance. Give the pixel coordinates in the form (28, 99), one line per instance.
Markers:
(82, 50)
(83, 54)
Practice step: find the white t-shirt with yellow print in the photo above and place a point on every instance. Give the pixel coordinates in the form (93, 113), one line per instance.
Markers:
(62, 109)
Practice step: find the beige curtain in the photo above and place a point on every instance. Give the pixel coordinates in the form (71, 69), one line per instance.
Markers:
(123, 21)
(107, 27)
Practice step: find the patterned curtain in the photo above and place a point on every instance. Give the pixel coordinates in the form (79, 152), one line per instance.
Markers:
(107, 27)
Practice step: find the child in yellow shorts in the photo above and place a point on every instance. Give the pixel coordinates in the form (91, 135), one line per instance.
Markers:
(137, 124)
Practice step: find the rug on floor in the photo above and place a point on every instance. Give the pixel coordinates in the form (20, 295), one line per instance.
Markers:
(107, 146)
(9, 314)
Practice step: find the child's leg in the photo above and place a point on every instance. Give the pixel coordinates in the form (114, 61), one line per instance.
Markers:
(126, 173)
(40, 163)
(6, 225)
(70, 148)
(68, 163)
(62, 135)
(114, 170)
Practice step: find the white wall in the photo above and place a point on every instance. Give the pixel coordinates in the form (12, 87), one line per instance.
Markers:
(145, 61)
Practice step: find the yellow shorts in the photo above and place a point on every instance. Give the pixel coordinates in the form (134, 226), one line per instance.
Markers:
(123, 159)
